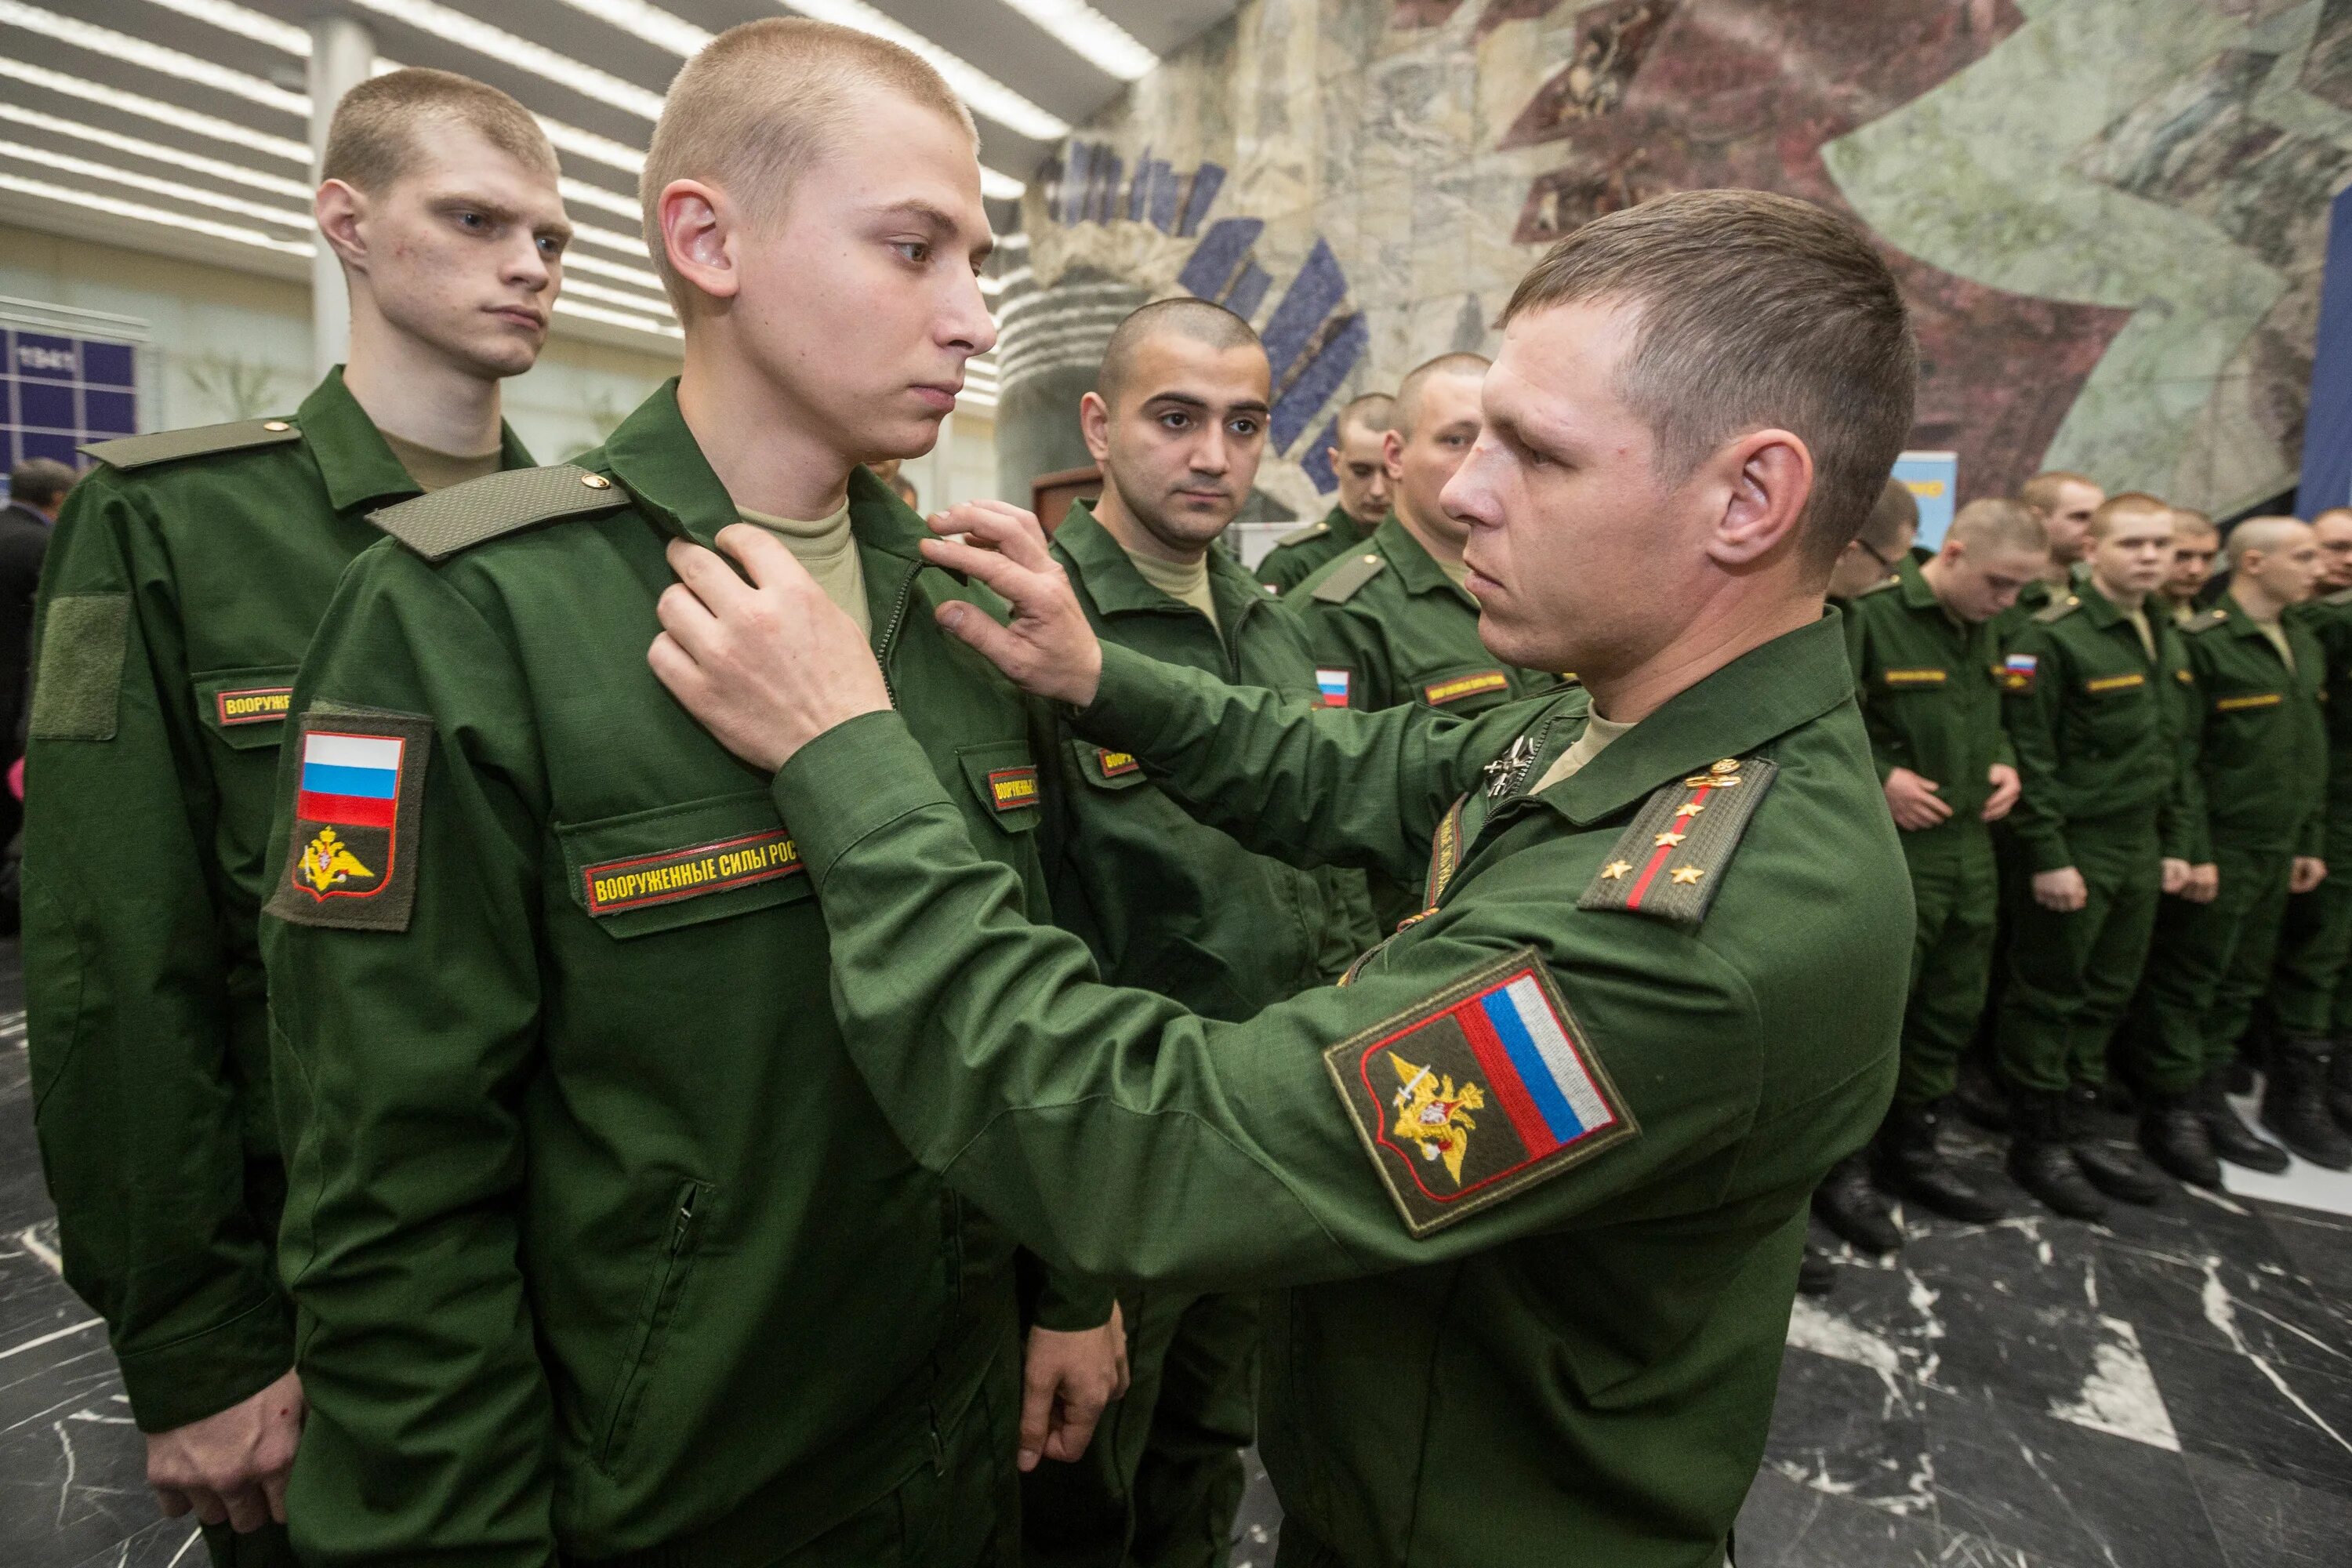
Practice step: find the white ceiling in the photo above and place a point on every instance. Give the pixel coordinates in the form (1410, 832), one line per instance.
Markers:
(179, 126)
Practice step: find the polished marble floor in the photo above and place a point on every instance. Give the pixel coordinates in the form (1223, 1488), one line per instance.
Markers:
(2172, 1389)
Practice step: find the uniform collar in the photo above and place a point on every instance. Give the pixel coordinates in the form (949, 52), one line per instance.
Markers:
(1111, 580)
(658, 459)
(1918, 593)
(2103, 612)
(2242, 624)
(353, 458)
(1764, 694)
(1416, 568)
(1338, 521)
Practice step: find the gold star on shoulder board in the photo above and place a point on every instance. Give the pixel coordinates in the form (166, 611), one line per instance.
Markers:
(1615, 870)
(1688, 875)
(1667, 840)
(1689, 808)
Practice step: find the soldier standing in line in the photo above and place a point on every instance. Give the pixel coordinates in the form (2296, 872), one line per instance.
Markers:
(2195, 544)
(2261, 744)
(1886, 539)
(2066, 501)
(1926, 670)
(187, 574)
(1360, 462)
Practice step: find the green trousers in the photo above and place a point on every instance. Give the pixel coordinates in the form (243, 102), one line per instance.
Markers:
(2072, 975)
(2307, 994)
(1956, 886)
(2209, 965)
(1161, 1482)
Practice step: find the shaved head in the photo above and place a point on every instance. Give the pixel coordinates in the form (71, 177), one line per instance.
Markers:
(2129, 507)
(1196, 320)
(2266, 536)
(1369, 413)
(1408, 398)
(1995, 523)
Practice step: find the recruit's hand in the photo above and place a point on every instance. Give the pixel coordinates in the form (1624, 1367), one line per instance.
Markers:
(2174, 873)
(1048, 649)
(2309, 871)
(2006, 788)
(1913, 801)
(232, 1466)
(2204, 883)
(1066, 1380)
(768, 666)
(2063, 890)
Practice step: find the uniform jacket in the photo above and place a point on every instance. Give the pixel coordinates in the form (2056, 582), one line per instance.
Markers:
(2329, 620)
(1530, 1190)
(1299, 554)
(2259, 731)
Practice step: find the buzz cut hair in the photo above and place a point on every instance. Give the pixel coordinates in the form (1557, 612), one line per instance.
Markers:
(2329, 514)
(2261, 535)
(2187, 523)
(1373, 412)
(2122, 508)
(1754, 311)
(1198, 321)
(1893, 522)
(1407, 411)
(2042, 491)
(371, 138)
(1996, 522)
(760, 105)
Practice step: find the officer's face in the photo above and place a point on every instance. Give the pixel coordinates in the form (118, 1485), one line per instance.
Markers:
(1363, 466)
(1978, 585)
(1445, 426)
(2134, 556)
(463, 252)
(1182, 446)
(2069, 523)
(2334, 530)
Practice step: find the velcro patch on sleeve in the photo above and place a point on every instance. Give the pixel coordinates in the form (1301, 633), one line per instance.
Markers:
(77, 685)
(1438, 693)
(2016, 673)
(641, 881)
(1477, 1093)
(1332, 685)
(1010, 789)
(350, 859)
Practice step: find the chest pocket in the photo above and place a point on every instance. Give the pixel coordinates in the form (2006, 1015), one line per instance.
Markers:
(1106, 769)
(245, 707)
(1463, 689)
(676, 866)
(1004, 779)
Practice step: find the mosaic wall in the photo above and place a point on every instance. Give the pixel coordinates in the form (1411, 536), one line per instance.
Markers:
(2110, 214)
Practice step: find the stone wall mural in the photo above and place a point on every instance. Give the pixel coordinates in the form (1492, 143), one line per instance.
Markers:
(2109, 215)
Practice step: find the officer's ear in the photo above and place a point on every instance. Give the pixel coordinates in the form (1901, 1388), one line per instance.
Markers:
(1763, 482)
(340, 208)
(699, 229)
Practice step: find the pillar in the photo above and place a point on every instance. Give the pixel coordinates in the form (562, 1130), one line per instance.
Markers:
(342, 56)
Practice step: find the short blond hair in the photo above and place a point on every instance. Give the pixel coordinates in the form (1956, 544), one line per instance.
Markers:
(763, 102)
(371, 139)
(2042, 491)
(2131, 503)
(1996, 522)
(2189, 523)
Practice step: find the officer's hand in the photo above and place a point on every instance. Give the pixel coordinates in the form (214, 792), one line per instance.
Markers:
(2309, 871)
(2006, 788)
(2175, 874)
(766, 666)
(2063, 890)
(1067, 1381)
(2204, 883)
(1048, 649)
(1913, 801)
(233, 1466)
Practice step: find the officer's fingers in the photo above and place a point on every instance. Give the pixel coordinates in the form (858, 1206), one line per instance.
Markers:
(1009, 531)
(209, 1508)
(273, 1489)
(706, 573)
(1037, 1386)
(1006, 578)
(172, 1501)
(1071, 1435)
(1001, 645)
(248, 1510)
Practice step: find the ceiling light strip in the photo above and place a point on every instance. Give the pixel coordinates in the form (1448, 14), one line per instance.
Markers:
(153, 109)
(142, 212)
(176, 190)
(152, 57)
(245, 22)
(597, 266)
(985, 94)
(616, 319)
(595, 148)
(658, 308)
(1091, 35)
(276, 184)
(473, 33)
(597, 196)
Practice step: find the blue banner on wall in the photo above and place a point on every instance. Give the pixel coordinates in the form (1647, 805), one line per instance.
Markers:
(1933, 481)
(58, 392)
(2328, 428)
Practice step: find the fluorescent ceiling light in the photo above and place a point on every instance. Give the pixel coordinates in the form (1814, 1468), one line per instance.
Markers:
(616, 319)
(597, 266)
(658, 308)
(1091, 35)
(595, 148)
(145, 213)
(597, 196)
(245, 22)
(473, 33)
(662, 29)
(66, 162)
(153, 56)
(236, 173)
(628, 244)
(985, 94)
(154, 109)
(1000, 187)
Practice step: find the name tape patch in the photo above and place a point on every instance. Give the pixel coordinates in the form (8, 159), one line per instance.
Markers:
(643, 880)
(1010, 789)
(1916, 677)
(254, 705)
(2114, 683)
(1115, 765)
(2232, 704)
(1438, 693)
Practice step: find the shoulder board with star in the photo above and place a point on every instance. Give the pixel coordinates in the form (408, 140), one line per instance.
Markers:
(2197, 625)
(438, 525)
(1670, 859)
(1343, 580)
(198, 441)
(2057, 610)
(1315, 530)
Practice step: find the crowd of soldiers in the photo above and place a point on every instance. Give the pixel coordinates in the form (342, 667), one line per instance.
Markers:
(546, 1041)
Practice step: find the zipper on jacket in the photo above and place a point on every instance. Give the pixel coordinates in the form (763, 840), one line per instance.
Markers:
(662, 1305)
(890, 633)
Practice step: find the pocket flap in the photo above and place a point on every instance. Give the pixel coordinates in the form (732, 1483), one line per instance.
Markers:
(1104, 768)
(1003, 774)
(681, 865)
(245, 707)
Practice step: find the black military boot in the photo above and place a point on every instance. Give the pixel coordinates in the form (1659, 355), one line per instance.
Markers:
(1816, 1275)
(1851, 1206)
(2339, 1085)
(2294, 1107)
(1911, 1165)
(1979, 1098)
(2174, 1135)
(2232, 1139)
(2120, 1173)
(2040, 1159)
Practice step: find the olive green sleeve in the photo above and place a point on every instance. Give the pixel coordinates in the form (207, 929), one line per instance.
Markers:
(401, 1059)
(2187, 830)
(1342, 640)
(1285, 567)
(126, 970)
(1112, 1130)
(1857, 653)
(2033, 719)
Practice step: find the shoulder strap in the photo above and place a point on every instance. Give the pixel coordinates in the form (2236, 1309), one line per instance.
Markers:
(2341, 596)
(2057, 610)
(170, 445)
(1882, 585)
(438, 525)
(1315, 530)
(1670, 860)
(1345, 579)
(2200, 624)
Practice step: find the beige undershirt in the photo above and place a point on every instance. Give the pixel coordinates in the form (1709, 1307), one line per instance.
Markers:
(1457, 569)
(829, 551)
(438, 470)
(1598, 734)
(1188, 582)
(2278, 634)
(2138, 618)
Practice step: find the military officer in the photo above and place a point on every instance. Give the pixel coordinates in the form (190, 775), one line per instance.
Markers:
(2261, 752)
(2066, 501)
(1360, 466)
(1886, 539)
(187, 574)
(2112, 816)
(601, 1249)
(1531, 1187)
(2195, 544)
(1924, 666)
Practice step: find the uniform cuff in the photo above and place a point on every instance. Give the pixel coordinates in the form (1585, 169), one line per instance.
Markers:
(204, 1373)
(854, 779)
(1073, 1303)
(1130, 700)
(2047, 852)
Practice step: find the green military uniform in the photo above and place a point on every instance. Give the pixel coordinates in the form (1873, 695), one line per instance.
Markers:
(1530, 1187)
(2261, 752)
(1171, 906)
(2307, 996)
(1302, 552)
(188, 572)
(599, 1246)
(1931, 703)
(2111, 789)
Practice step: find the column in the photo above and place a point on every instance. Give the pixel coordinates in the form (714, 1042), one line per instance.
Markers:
(342, 56)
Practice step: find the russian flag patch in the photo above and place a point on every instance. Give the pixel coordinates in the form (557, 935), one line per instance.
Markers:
(2017, 672)
(1333, 686)
(358, 788)
(1480, 1092)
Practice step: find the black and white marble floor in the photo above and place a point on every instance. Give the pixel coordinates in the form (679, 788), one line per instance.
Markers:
(2170, 1390)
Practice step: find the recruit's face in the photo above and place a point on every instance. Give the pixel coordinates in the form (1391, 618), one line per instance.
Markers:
(1183, 443)
(463, 252)
(2333, 533)
(2192, 562)
(1978, 585)
(2068, 524)
(1445, 421)
(861, 303)
(2134, 556)
(2288, 573)
(1363, 466)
